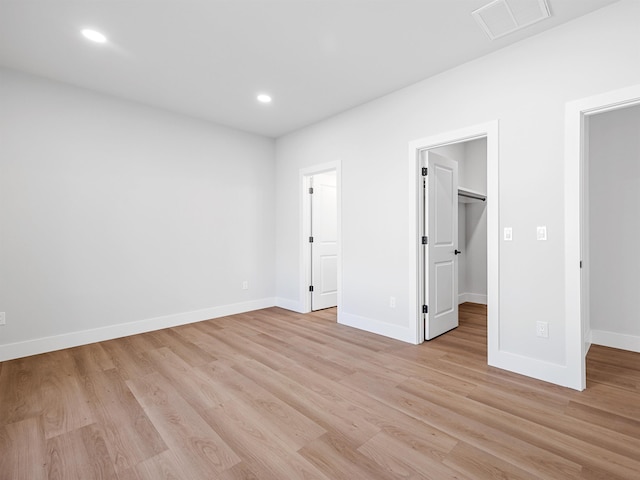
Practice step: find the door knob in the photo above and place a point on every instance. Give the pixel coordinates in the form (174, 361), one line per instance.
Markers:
(457, 252)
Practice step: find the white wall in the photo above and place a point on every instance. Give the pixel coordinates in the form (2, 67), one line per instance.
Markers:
(475, 249)
(114, 213)
(474, 171)
(526, 87)
(614, 226)
(462, 258)
(475, 244)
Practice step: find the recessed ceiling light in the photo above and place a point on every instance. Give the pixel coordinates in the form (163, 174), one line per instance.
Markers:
(94, 36)
(264, 98)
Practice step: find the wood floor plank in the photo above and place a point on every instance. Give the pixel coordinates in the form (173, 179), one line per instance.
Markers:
(200, 334)
(321, 408)
(20, 397)
(476, 463)
(619, 376)
(575, 451)
(597, 416)
(23, 450)
(128, 359)
(247, 470)
(267, 356)
(537, 412)
(164, 466)
(243, 429)
(130, 435)
(274, 394)
(79, 455)
(479, 432)
(304, 356)
(64, 403)
(198, 386)
(187, 351)
(199, 449)
(91, 358)
(336, 457)
(404, 461)
(292, 427)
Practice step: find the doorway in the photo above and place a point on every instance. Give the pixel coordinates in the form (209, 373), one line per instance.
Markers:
(419, 286)
(577, 229)
(323, 240)
(320, 237)
(420, 280)
(454, 225)
(612, 183)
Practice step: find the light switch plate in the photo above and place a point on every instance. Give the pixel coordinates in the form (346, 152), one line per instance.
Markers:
(541, 233)
(508, 234)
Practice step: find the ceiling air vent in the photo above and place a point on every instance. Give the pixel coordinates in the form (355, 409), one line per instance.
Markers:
(502, 17)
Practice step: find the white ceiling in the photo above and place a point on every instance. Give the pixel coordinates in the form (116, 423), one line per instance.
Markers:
(210, 58)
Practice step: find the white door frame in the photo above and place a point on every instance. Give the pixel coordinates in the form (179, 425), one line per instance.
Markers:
(305, 230)
(490, 131)
(576, 313)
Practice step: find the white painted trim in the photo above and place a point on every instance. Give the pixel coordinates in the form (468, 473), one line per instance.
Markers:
(532, 367)
(616, 340)
(404, 334)
(490, 130)
(73, 339)
(473, 298)
(288, 304)
(305, 228)
(575, 113)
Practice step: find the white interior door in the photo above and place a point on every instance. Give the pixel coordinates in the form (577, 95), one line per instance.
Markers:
(324, 247)
(442, 220)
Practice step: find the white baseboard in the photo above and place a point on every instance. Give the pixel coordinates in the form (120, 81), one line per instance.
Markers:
(73, 339)
(531, 367)
(287, 304)
(587, 342)
(616, 340)
(396, 332)
(473, 298)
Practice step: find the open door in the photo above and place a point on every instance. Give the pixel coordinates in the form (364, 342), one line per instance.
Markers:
(324, 241)
(441, 242)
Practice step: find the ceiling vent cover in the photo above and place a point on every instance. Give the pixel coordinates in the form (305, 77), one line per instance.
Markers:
(502, 17)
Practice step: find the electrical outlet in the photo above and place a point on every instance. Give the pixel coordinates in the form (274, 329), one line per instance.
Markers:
(3, 318)
(542, 329)
(245, 285)
(392, 302)
(508, 234)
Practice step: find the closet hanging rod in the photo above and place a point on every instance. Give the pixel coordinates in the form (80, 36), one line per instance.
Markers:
(472, 195)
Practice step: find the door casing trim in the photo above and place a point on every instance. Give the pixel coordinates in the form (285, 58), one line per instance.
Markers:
(575, 137)
(490, 131)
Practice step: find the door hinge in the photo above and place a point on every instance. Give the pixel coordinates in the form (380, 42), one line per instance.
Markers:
(425, 240)
(310, 190)
(425, 309)
(424, 171)
(310, 239)
(311, 288)
(580, 263)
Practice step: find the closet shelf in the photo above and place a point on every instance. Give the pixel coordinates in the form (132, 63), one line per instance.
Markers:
(466, 195)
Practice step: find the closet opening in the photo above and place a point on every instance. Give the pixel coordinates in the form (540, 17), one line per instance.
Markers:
(611, 209)
(453, 217)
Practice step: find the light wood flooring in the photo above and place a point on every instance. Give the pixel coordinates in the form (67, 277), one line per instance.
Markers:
(276, 395)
